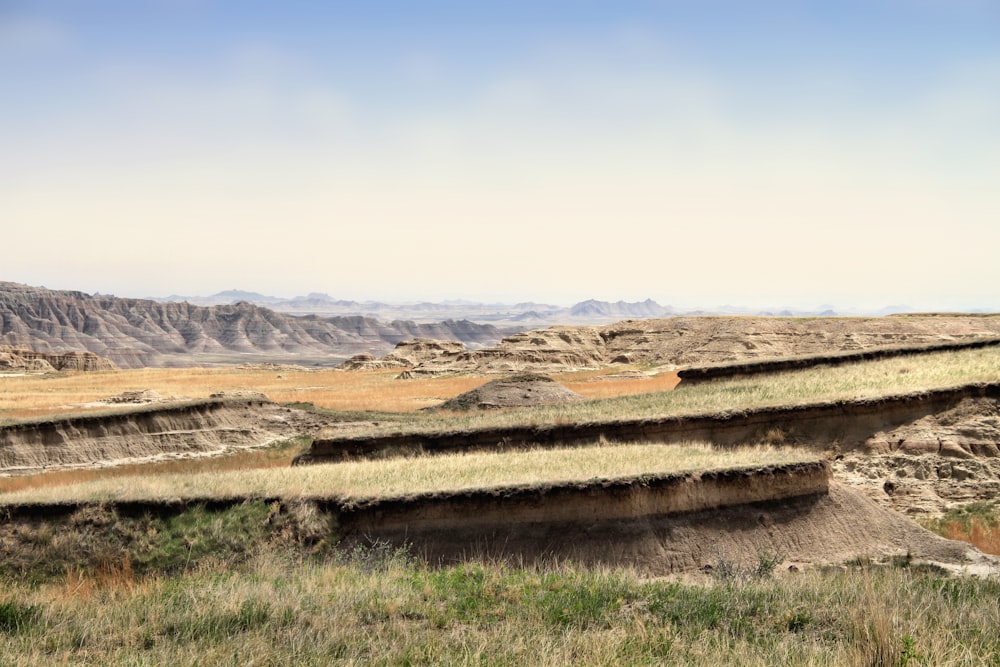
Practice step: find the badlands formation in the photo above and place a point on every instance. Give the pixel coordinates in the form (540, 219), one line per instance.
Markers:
(913, 453)
(701, 341)
(14, 359)
(136, 333)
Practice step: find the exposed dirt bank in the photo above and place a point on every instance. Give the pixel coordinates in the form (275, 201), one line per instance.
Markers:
(843, 425)
(812, 529)
(593, 500)
(15, 358)
(521, 390)
(670, 525)
(177, 430)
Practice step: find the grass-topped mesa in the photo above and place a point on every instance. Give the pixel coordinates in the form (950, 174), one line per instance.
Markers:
(365, 480)
(868, 379)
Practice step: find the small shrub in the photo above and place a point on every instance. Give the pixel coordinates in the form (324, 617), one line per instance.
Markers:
(775, 437)
(728, 572)
(16, 617)
(379, 556)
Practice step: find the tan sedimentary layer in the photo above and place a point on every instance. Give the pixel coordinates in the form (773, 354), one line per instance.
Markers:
(15, 358)
(661, 527)
(587, 501)
(173, 430)
(697, 341)
(667, 525)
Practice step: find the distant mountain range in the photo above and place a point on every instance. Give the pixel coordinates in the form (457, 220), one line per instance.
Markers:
(240, 326)
(526, 314)
(142, 332)
(324, 304)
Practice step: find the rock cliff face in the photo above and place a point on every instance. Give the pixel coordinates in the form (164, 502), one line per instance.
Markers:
(12, 358)
(138, 332)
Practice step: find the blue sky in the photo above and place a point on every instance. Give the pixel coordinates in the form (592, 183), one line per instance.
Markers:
(767, 154)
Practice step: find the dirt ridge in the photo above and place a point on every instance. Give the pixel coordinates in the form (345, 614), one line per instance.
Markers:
(830, 526)
(847, 424)
(16, 358)
(674, 524)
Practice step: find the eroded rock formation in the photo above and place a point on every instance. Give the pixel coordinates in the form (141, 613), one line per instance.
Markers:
(17, 359)
(690, 341)
(137, 332)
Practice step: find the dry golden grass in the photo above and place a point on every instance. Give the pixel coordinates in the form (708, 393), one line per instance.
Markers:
(33, 396)
(418, 475)
(604, 385)
(40, 396)
(862, 380)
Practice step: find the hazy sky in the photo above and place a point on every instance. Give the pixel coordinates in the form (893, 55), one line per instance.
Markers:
(697, 153)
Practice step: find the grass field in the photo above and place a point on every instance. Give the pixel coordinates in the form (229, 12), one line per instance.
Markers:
(400, 477)
(278, 455)
(33, 396)
(851, 381)
(379, 607)
(217, 588)
(617, 398)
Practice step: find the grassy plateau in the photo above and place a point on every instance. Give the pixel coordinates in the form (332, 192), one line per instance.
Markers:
(400, 477)
(246, 585)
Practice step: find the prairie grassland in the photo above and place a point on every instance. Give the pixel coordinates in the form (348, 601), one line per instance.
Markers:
(852, 381)
(45, 395)
(378, 607)
(401, 477)
(42, 395)
(39, 396)
(603, 384)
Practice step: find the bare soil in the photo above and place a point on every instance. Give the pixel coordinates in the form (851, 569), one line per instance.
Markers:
(521, 390)
(808, 530)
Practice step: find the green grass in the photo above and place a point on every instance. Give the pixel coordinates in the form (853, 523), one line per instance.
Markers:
(97, 539)
(388, 609)
(976, 523)
(985, 513)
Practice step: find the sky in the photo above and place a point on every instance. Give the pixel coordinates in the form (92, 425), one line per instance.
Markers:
(787, 153)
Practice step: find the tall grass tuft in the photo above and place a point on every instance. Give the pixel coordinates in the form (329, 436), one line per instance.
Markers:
(976, 523)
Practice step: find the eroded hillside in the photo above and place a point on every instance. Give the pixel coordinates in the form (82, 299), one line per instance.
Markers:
(136, 332)
(686, 341)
